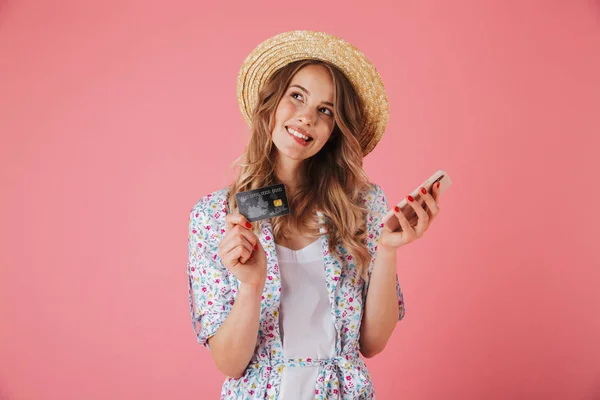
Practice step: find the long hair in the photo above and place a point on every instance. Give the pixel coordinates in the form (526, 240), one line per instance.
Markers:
(335, 179)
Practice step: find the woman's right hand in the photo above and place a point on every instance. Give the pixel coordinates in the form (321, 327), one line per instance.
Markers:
(241, 252)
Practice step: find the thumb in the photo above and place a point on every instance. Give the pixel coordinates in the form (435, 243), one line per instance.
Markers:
(392, 239)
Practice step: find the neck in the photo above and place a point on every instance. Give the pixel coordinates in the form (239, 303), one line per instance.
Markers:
(289, 172)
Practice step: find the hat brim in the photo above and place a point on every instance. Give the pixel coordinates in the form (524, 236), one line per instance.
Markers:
(287, 47)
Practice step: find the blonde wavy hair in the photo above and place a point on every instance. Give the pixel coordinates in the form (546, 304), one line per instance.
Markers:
(335, 181)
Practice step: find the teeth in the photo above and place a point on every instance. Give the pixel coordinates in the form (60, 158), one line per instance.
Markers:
(297, 134)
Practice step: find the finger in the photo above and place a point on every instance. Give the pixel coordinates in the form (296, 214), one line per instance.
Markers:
(236, 219)
(247, 234)
(435, 191)
(236, 254)
(231, 260)
(245, 255)
(249, 255)
(423, 221)
(408, 232)
(421, 213)
(238, 237)
(432, 206)
(404, 222)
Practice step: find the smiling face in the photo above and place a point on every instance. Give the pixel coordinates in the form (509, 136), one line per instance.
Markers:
(304, 117)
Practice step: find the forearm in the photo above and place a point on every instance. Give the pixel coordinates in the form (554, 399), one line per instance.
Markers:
(233, 345)
(381, 308)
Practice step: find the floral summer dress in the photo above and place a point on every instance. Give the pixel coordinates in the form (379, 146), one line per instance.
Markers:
(213, 290)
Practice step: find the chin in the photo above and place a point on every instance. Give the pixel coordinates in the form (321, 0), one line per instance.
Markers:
(293, 155)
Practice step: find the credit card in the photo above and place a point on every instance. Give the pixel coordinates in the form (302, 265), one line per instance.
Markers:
(262, 203)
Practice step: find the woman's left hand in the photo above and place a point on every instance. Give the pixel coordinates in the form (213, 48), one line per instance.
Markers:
(393, 240)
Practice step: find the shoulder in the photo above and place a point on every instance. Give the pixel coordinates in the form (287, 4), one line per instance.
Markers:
(212, 203)
(374, 198)
(210, 210)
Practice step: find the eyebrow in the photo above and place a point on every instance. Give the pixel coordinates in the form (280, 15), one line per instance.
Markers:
(300, 87)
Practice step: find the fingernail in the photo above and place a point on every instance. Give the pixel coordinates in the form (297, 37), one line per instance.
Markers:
(248, 225)
(438, 185)
(396, 208)
(410, 198)
(423, 191)
(256, 246)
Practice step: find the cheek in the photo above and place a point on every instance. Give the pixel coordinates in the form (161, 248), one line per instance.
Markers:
(327, 131)
(282, 114)
(285, 109)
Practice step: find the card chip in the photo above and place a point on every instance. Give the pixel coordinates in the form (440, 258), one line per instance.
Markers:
(277, 203)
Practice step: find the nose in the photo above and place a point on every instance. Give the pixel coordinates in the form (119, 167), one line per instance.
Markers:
(306, 116)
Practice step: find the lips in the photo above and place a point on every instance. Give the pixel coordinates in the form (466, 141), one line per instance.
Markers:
(299, 133)
(299, 140)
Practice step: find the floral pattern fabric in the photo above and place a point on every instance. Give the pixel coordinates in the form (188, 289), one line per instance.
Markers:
(213, 290)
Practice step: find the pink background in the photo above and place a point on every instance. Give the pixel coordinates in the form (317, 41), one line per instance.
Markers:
(117, 116)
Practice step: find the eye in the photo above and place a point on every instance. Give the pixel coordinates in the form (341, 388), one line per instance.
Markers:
(328, 111)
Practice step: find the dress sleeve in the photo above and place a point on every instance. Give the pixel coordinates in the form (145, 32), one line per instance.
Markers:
(378, 207)
(210, 294)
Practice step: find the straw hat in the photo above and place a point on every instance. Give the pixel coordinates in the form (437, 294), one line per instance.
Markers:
(287, 47)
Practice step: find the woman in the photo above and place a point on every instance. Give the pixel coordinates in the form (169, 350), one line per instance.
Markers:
(286, 304)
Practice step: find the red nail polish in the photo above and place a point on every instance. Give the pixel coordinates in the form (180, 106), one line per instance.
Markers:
(438, 185)
(248, 225)
(410, 198)
(423, 191)
(396, 208)
(256, 246)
